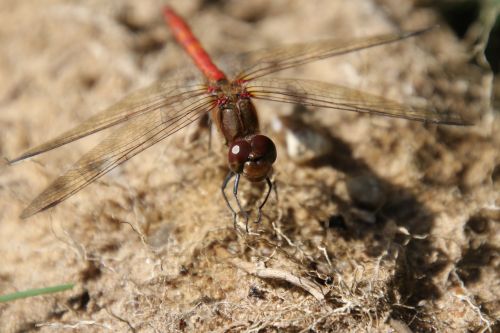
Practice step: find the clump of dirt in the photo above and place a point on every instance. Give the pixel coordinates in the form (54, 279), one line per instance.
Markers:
(391, 226)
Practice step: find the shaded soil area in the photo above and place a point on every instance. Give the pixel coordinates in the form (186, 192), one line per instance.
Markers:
(375, 224)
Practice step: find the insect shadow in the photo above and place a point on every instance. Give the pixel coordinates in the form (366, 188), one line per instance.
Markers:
(372, 195)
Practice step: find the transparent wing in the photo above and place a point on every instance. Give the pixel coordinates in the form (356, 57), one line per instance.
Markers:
(263, 62)
(320, 94)
(135, 136)
(160, 94)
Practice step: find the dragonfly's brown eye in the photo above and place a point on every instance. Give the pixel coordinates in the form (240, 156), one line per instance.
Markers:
(239, 153)
(263, 148)
(261, 158)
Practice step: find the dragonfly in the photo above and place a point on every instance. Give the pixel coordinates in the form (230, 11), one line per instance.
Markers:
(154, 113)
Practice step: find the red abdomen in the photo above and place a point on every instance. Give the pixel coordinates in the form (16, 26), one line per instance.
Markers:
(185, 37)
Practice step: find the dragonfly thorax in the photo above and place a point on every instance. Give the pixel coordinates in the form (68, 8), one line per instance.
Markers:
(235, 117)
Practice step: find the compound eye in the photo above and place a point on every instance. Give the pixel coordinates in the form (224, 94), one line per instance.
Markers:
(239, 153)
(263, 148)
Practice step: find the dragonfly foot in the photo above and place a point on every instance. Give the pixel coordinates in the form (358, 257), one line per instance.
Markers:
(259, 217)
(245, 214)
(235, 220)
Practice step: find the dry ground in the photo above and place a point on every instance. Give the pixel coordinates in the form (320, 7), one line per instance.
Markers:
(394, 228)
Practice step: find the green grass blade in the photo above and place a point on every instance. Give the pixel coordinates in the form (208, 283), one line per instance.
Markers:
(35, 292)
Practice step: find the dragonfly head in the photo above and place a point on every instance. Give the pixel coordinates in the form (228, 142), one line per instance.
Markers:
(252, 156)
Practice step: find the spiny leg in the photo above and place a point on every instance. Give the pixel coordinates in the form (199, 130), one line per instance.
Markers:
(209, 125)
(270, 187)
(235, 193)
(204, 123)
(223, 190)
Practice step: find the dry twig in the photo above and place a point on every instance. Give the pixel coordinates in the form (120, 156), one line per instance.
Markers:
(278, 274)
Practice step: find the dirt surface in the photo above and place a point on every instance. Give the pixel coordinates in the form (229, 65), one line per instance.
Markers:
(394, 227)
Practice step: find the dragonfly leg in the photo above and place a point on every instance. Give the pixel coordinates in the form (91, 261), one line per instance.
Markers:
(270, 187)
(209, 125)
(235, 193)
(223, 190)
